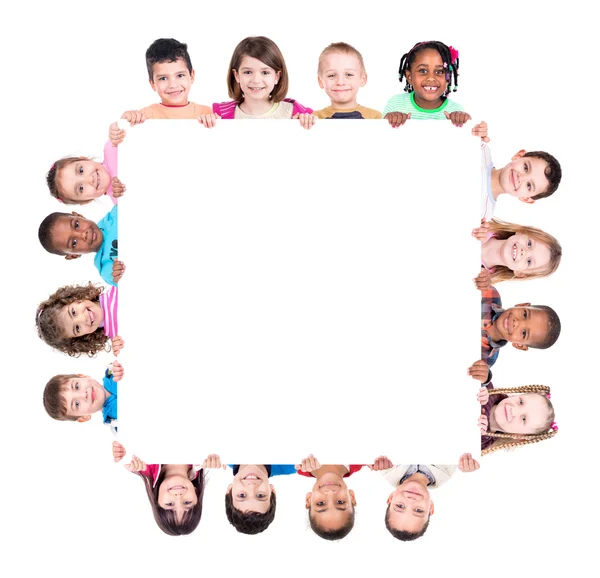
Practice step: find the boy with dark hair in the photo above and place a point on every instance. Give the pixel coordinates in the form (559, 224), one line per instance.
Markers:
(250, 500)
(524, 325)
(171, 76)
(529, 176)
(72, 235)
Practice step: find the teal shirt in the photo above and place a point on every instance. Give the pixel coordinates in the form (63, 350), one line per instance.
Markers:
(109, 409)
(109, 250)
(406, 103)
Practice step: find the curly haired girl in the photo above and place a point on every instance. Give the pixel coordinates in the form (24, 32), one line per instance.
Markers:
(78, 319)
(510, 251)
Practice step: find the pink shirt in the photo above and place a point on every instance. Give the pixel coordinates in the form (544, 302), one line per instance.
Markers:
(110, 164)
(108, 303)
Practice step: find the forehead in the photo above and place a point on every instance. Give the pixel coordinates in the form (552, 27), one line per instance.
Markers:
(340, 60)
(428, 56)
(537, 408)
(253, 63)
(166, 67)
(406, 521)
(538, 173)
(537, 322)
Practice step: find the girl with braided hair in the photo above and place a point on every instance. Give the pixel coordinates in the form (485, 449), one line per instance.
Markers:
(80, 319)
(512, 417)
(430, 71)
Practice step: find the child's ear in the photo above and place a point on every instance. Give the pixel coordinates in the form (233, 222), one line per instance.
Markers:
(84, 418)
(431, 509)
(352, 497)
(235, 75)
(308, 497)
(193, 75)
(527, 200)
(272, 489)
(363, 79)
(77, 214)
(229, 489)
(152, 85)
(523, 305)
(520, 346)
(321, 85)
(519, 274)
(407, 75)
(71, 257)
(518, 155)
(277, 76)
(390, 498)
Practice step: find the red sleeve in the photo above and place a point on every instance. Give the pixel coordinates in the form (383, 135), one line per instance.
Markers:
(353, 469)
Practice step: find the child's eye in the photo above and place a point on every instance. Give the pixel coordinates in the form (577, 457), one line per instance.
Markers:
(341, 502)
(241, 495)
(525, 314)
(330, 75)
(169, 504)
(187, 503)
(422, 71)
(247, 72)
(76, 405)
(163, 78)
(80, 188)
(400, 506)
(520, 401)
(77, 224)
(529, 187)
(80, 170)
(439, 72)
(261, 496)
(523, 333)
(320, 503)
(181, 75)
(419, 511)
(266, 72)
(77, 329)
(529, 262)
(350, 75)
(76, 386)
(529, 243)
(526, 168)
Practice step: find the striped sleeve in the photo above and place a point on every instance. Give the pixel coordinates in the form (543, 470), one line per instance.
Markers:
(108, 302)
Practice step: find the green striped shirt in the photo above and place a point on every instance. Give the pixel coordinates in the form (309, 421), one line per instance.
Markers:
(406, 103)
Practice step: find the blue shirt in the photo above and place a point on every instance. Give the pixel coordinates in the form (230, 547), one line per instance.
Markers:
(109, 250)
(109, 409)
(272, 470)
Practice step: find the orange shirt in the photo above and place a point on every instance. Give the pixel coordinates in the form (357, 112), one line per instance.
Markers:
(190, 110)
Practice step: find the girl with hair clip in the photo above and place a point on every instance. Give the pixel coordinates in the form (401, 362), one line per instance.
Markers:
(510, 251)
(175, 491)
(512, 417)
(430, 71)
(78, 319)
(257, 81)
(81, 180)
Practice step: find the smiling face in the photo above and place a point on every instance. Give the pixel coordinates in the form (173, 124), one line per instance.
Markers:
(410, 506)
(524, 177)
(250, 490)
(172, 81)
(255, 78)
(427, 76)
(177, 494)
(341, 75)
(80, 318)
(527, 413)
(82, 181)
(522, 325)
(83, 396)
(75, 235)
(331, 503)
(525, 255)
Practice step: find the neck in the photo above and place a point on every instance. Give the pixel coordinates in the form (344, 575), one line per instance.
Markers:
(335, 469)
(175, 105)
(491, 252)
(418, 477)
(256, 107)
(496, 188)
(427, 104)
(176, 469)
(345, 105)
(493, 333)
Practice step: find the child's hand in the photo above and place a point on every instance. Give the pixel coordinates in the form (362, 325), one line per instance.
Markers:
(213, 461)
(208, 120)
(136, 465)
(117, 344)
(483, 280)
(467, 464)
(117, 371)
(458, 118)
(481, 233)
(118, 451)
(307, 120)
(115, 134)
(482, 423)
(397, 119)
(134, 117)
(309, 464)
(483, 395)
(117, 270)
(481, 130)
(118, 188)
(479, 370)
(381, 463)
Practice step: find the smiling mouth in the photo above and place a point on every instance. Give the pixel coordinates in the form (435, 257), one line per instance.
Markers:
(414, 493)
(93, 395)
(176, 488)
(252, 478)
(92, 316)
(330, 484)
(431, 88)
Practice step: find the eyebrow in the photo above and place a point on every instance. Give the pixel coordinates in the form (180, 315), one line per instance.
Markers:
(434, 66)
(337, 508)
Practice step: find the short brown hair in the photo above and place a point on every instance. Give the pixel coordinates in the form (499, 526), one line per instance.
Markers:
(54, 401)
(344, 48)
(267, 52)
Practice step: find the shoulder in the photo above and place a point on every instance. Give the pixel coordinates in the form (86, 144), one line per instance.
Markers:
(323, 113)
(224, 109)
(199, 109)
(298, 108)
(150, 111)
(369, 113)
(453, 106)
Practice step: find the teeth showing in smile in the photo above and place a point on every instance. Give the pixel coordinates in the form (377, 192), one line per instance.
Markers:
(514, 252)
(430, 88)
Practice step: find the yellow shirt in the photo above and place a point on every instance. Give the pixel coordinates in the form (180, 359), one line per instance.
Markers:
(190, 110)
(363, 110)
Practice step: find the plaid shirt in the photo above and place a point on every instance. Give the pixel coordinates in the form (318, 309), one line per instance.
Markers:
(491, 307)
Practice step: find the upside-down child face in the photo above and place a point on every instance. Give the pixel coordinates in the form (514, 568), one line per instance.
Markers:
(525, 255)
(427, 76)
(250, 490)
(522, 414)
(410, 507)
(172, 81)
(83, 397)
(341, 75)
(522, 325)
(177, 493)
(330, 503)
(80, 318)
(82, 181)
(256, 79)
(74, 235)
(524, 177)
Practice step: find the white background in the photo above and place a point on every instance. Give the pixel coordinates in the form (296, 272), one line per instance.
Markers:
(528, 69)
